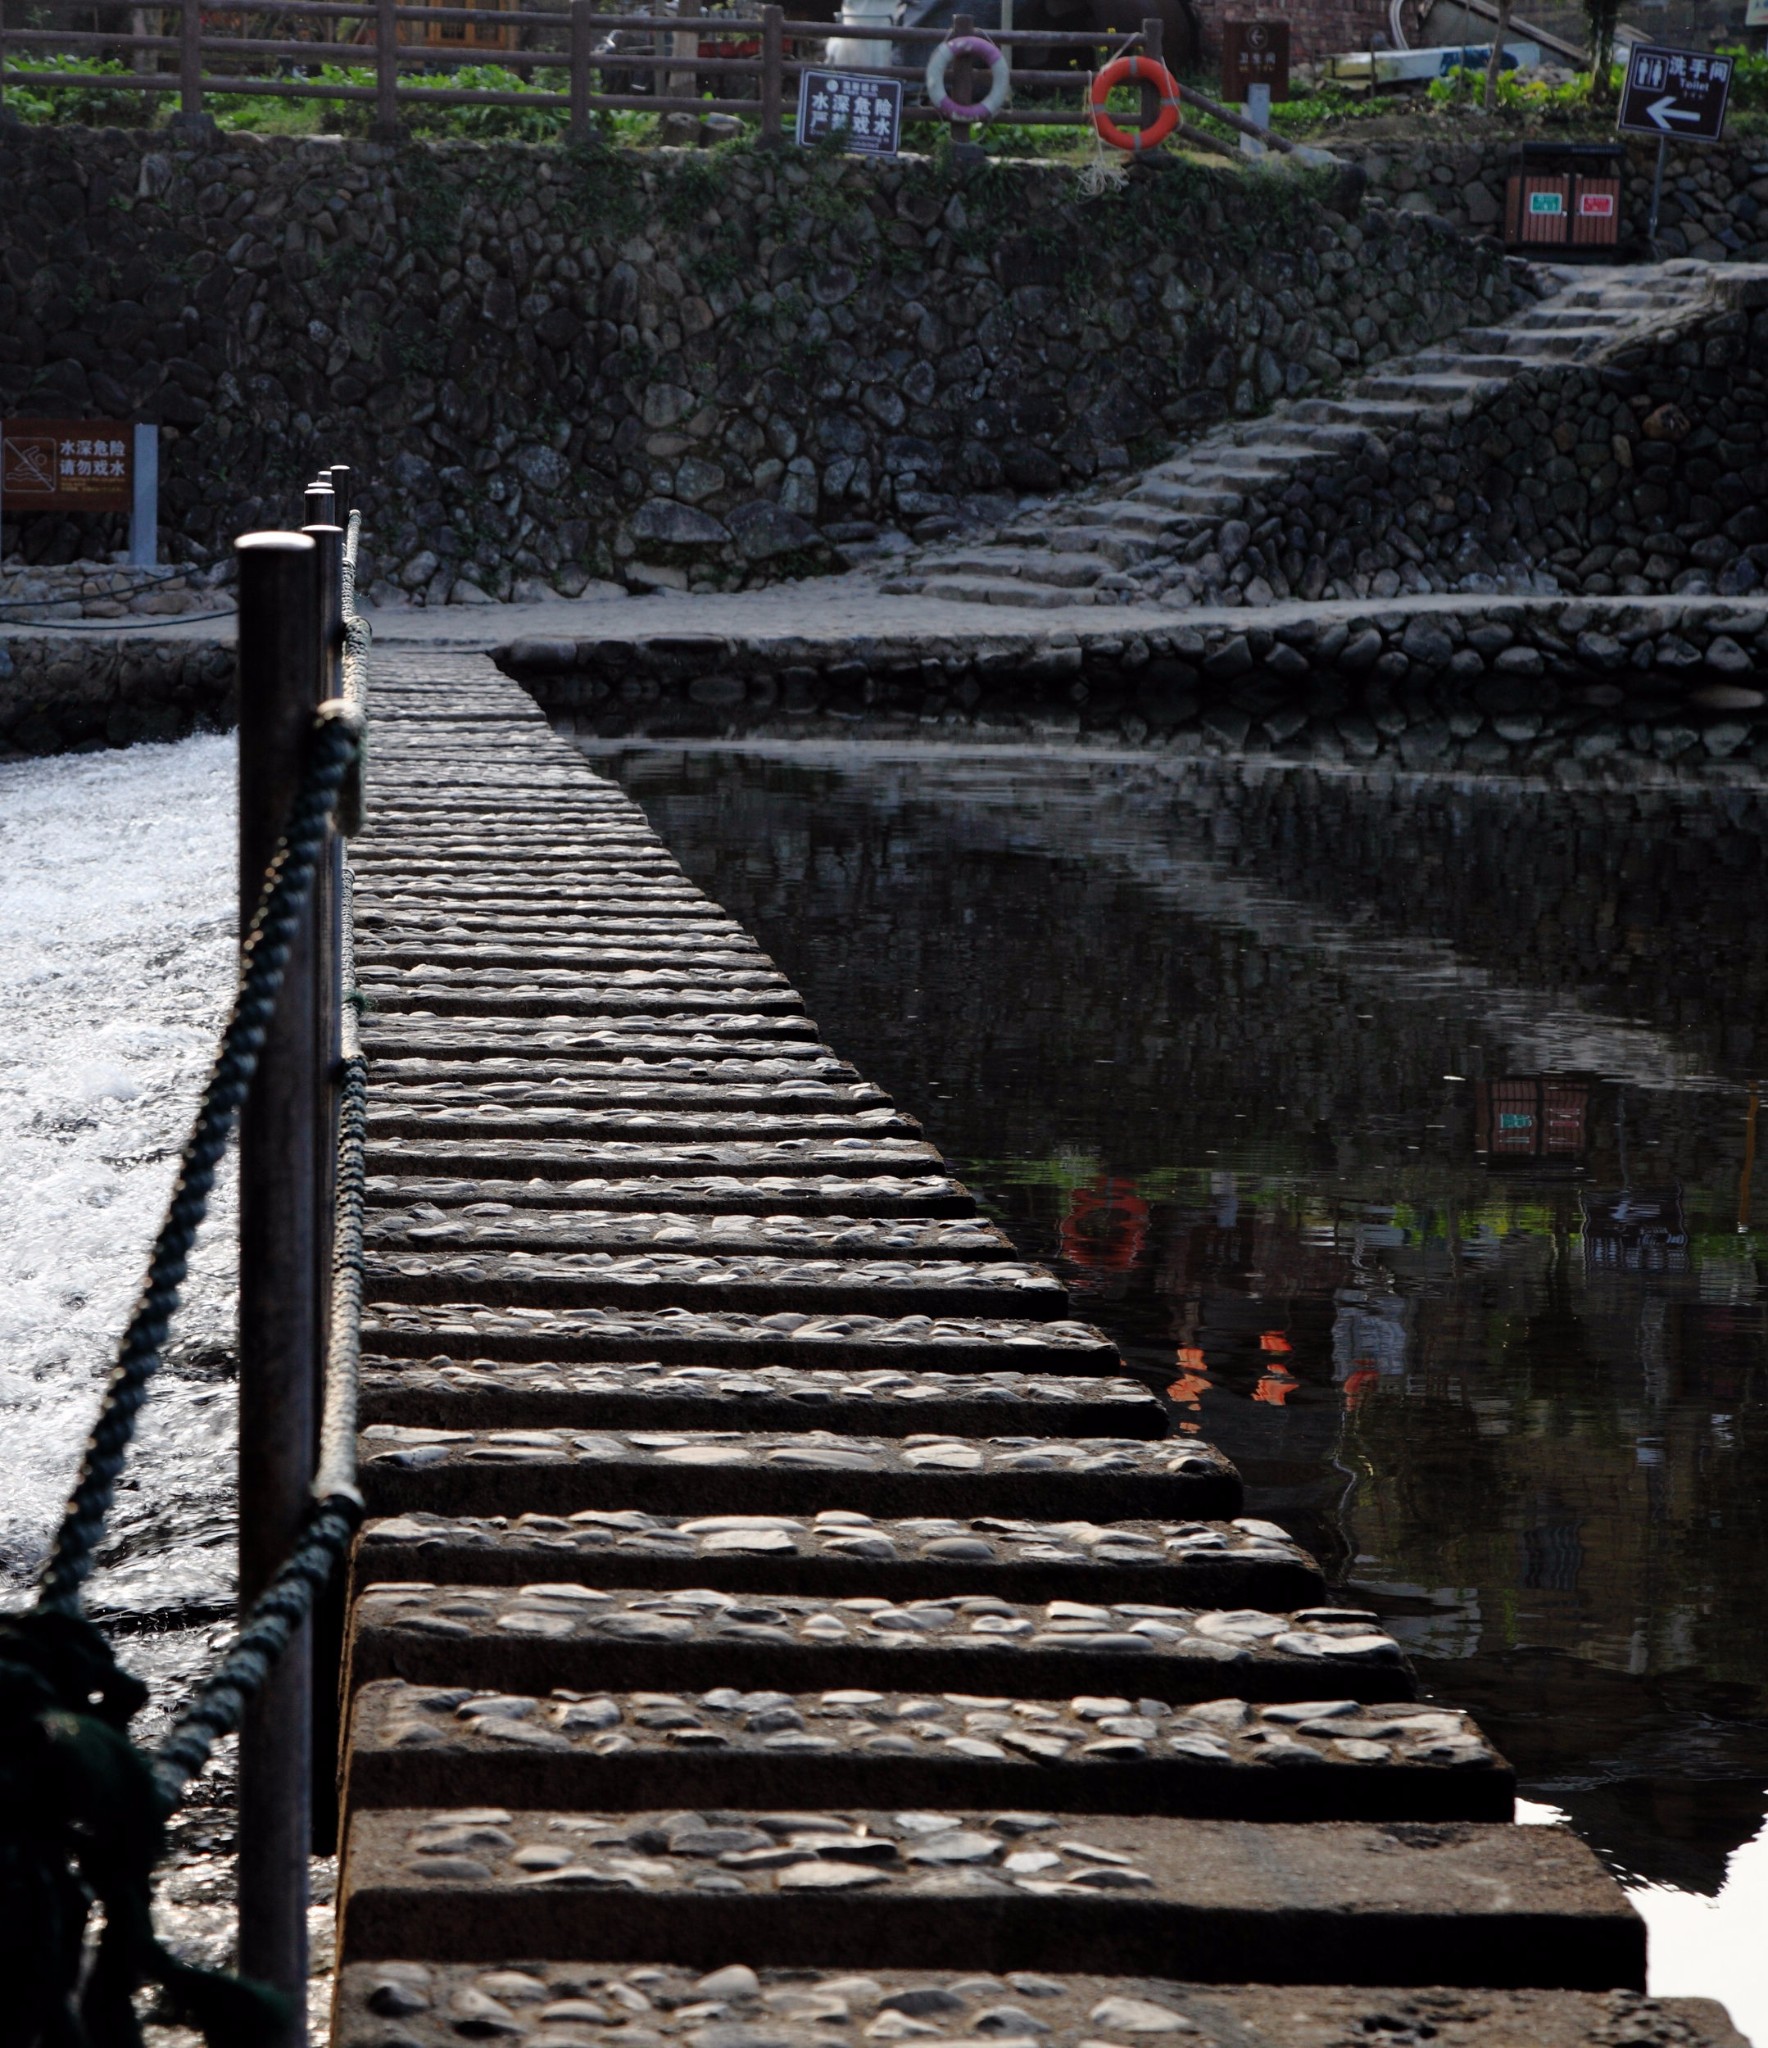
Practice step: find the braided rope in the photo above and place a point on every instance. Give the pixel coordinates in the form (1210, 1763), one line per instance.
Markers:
(288, 882)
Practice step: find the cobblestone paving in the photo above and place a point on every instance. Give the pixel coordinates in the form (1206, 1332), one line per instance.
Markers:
(772, 1599)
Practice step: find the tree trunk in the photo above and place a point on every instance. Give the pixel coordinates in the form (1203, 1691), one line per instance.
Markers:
(1494, 63)
(1602, 15)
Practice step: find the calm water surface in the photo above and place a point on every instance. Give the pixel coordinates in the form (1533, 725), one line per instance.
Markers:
(1406, 1131)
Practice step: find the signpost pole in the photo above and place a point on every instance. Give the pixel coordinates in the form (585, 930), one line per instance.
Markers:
(1657, 192)
(144, 503)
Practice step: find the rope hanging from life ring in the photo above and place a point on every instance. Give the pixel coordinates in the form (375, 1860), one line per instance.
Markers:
(1135, 71)
(1000, 81)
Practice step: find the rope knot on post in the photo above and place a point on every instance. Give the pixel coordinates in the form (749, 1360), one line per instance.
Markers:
(82, 1823)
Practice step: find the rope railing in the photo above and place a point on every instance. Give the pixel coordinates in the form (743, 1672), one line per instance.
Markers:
(82, 1810)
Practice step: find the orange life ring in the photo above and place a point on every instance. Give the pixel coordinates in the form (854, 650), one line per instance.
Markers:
(1135, 70)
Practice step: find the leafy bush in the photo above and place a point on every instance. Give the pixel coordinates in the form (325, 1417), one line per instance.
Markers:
(95, 106)
(1749, 77)
(487, 123)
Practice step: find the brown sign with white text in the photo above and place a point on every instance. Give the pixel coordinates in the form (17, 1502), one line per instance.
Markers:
(1254, 53)
(66, 465)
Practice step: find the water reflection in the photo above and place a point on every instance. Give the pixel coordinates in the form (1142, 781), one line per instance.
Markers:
(1405, 1133)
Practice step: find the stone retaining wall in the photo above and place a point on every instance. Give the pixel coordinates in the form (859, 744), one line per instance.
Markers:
(674, 368)
(63, 691)
(1715, 199)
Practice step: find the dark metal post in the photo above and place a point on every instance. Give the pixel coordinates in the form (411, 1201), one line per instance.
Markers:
(339, 476)
(327, 1626)
(582, 43)
(318, 505)
(279, 1307)
(773, 45)
(1657, 194)
(386, 71)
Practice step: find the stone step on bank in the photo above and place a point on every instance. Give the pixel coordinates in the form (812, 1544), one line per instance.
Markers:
(1260, 508)
(749, 1723)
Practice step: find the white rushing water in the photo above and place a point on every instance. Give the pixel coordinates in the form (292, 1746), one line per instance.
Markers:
(117, 926)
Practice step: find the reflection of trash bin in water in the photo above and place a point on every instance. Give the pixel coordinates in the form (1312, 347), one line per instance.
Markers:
(1540, 1118)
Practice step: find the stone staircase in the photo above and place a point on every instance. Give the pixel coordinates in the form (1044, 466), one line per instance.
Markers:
(1176, 532)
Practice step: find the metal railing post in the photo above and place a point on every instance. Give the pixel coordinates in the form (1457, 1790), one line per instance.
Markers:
(338, 476)
(773, 59)
(280, 1357)
(327, 1625)
(386, 70)
(582, 44)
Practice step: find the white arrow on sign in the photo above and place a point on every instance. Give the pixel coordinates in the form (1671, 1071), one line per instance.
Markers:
(1664, 111)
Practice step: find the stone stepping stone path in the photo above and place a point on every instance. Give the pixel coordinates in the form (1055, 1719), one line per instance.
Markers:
(778, 1622)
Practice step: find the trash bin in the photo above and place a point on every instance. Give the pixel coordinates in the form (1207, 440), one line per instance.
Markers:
(1565, 197)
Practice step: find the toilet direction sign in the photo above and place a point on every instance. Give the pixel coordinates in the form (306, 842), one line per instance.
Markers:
(1677, 93)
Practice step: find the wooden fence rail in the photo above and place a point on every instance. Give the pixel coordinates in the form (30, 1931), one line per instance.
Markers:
(392, 39)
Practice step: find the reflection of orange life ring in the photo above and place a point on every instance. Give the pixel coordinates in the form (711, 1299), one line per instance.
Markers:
(1106, 1225)
(1133, 70)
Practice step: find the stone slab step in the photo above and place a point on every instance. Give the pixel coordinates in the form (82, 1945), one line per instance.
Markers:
(948, 1342)
(1227, 1759)
(1429, 388)
(838, 1554)
(710, 934)
(747, 962)
(484, 1393)
(1006, 590)
(1375, 415)
(922, 1196)
(1167, 527)
(410, 1469)
(754, 1282)
(499, 994)
(497, 1122)
(1173, 494)
(532, 1638)
(403, 2004)
(562, 1039)
(561, 1159)
(513, 1229)
(613, 1086)
(1209, 1900)
(694, 916)
(1122, 550)
(1064, 569)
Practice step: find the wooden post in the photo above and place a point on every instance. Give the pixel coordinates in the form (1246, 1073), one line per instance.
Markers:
(1151, 47)
(958, 80)
(190, 118)
(7, 117)
(773, 57)
(683, 85)
(582, 42)
(279, 1310)
(386, 70)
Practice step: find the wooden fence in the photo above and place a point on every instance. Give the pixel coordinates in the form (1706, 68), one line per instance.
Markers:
(752, 64)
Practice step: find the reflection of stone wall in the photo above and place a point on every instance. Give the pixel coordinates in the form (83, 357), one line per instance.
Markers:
(548, 364)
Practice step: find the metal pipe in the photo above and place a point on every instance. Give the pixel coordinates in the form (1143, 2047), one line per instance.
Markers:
(318, 505)
(339, 477)
(279, 1321)
(326, 1627)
